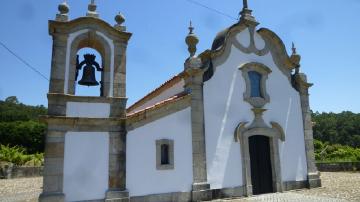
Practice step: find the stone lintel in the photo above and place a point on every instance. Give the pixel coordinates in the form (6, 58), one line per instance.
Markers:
(62, 123)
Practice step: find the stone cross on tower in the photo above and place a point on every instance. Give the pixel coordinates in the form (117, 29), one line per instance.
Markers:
(245, 4)
(245, 15)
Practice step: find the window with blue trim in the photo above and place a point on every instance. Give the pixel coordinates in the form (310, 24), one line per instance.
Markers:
(255, 79)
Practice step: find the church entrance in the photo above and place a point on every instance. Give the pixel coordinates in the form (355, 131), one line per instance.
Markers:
(261, 172)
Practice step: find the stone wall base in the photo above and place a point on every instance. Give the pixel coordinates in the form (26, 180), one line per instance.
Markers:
(117, 196)
(201, 192)
(52, 197)
(314, 180)
(293, 185)
(201, 195)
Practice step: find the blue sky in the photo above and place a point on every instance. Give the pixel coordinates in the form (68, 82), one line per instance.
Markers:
(326, 33)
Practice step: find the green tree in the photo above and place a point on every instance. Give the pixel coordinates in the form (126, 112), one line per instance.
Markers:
(342, 128)
(12, 99)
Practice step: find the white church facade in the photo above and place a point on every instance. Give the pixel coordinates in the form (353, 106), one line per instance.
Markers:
(235, 122)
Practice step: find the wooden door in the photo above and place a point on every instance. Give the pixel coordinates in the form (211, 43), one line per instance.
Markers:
(261, 172)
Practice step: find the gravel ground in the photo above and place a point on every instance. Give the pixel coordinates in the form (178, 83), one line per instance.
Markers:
(338, 186)
(23, 189)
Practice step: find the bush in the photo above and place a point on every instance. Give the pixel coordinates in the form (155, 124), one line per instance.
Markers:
(325, 152)
(17, 155)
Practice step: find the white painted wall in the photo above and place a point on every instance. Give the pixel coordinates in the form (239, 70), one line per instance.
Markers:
(86, 163)
(88, 110)
(175, 89)
(225, 109)
(142, 176)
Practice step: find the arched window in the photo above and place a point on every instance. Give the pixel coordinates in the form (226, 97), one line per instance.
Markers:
(83, 90)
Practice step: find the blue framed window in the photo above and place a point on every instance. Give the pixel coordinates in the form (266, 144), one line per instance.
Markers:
(255, 79)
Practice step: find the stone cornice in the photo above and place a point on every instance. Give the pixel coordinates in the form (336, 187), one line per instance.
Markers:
(90, 22)
(62, 123)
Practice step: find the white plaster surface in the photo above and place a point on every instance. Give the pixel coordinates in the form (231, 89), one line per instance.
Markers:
(244, 37)
(259, 42)
(175, 89)
(142, 176)
(225, 109)
(88, 110)
(86, 165)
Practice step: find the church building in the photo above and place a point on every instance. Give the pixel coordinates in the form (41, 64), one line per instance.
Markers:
(235, 122)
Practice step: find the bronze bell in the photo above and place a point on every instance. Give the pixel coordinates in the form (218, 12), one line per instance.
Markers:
(88, 78)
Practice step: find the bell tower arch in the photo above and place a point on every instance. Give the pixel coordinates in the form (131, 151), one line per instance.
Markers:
(85, 151)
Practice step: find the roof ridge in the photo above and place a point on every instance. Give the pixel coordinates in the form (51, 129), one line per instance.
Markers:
(156, 90)
(174, 98)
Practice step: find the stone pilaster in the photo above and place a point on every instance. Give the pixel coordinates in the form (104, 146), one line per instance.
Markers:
(194, 85)
(117, 155)
(303, 87)
(120, 69)
(117, 168)
(57, 75)
(54, 167)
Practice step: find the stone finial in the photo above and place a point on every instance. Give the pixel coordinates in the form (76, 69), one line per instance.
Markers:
(120, 19)
(191, 40)
(245, 15)
(63, 12)
(295, 58)
(293, 48)
(92, 10)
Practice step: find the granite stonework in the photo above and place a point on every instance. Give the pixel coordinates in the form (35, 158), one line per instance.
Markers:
(194, 85)
(303, 87)
(69, 36)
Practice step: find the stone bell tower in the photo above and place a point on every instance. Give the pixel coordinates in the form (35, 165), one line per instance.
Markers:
(85, 152)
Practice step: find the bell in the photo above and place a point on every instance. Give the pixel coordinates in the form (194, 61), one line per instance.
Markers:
(88, 78)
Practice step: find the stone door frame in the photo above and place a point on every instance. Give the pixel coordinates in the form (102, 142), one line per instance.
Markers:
(242, 134)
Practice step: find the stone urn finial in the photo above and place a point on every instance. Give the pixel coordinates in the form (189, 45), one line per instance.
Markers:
(191, 40)
(63, 9)
(120, 19)
(246, 16)
(92, 10)
(295, 58)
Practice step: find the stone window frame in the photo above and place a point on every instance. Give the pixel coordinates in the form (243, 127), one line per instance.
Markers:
(264, 71)
(170, 143)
